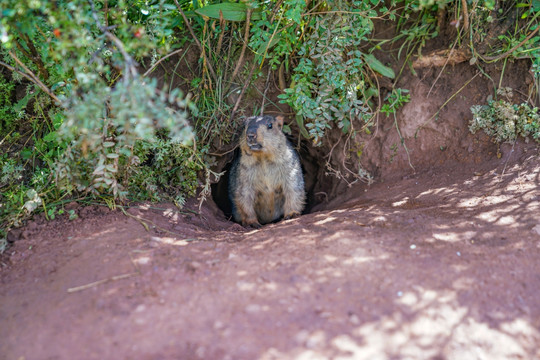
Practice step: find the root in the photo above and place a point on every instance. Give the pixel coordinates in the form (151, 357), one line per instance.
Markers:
(441, 58)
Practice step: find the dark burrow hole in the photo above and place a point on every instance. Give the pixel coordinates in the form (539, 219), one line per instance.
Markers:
(316, 184)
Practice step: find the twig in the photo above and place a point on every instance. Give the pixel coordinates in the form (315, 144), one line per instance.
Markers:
(38, 63)
(32, 77)
(210, 68)
(135, 217)
(17, 71)
(222, 27)
(129, 63)
(505, 54)
(403, 142)
(244, 45)
(267, 85)
(508, 158)
(142, 220)
(225, 153)
(465, 15)
(246, 84)
(99, 282)
(106, 11)
(160, 60)
(442, 69)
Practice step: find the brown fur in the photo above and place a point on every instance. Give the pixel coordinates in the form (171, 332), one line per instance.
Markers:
(266, 181)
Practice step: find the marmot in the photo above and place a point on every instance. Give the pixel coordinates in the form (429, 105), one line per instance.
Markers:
(265, 180)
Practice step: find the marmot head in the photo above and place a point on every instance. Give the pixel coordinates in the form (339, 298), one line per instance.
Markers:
(263, 134)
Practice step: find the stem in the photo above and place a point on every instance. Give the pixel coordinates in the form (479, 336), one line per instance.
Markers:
(222, 27)
(210, 68)
(465, 15)
(403, 143)
(246, 84)
(36, 57)
(31, 76)
(505, 54)
(244, 45)
(129, 66)
(160, 60)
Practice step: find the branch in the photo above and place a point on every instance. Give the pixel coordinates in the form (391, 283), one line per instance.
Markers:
(465, 15)
(246, 84)
(505, 54)
(31, 76)
(41, 69)
(9, 67)
(160, 60)
(244, 46)
(129, 63)
(36, 57)
(210, 68)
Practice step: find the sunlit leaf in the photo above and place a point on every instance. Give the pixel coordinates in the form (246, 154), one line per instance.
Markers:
(230, 11)
(378, 66)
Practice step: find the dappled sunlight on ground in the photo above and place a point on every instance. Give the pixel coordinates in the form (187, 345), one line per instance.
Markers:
(431, 267)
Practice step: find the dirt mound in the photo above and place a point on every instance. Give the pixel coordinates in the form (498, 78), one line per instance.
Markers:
(438, 265)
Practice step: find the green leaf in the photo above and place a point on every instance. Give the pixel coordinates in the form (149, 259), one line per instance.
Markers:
(371, 92)
(24, 101)
(230, 11)
(267, 45)
(300, 122)
(378, 66)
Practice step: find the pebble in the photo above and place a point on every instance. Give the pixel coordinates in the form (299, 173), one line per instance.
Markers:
(413, 247)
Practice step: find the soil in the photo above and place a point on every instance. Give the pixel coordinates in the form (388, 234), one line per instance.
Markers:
(438, 259)
(439, 265)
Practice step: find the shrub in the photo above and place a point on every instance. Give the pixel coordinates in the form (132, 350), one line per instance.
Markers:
(505, 122)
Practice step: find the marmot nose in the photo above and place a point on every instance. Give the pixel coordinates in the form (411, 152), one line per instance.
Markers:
(252, 136)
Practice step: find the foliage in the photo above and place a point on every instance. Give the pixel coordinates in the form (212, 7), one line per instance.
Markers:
(101, 147)
(167, 169)
(505, 122)
(328, 83)
(93, 109)
(394, 100)
(8, 116)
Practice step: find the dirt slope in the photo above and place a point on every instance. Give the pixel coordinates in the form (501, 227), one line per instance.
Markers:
(441, 265)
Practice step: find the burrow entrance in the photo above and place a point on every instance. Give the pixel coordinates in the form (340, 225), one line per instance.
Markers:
(319, 187)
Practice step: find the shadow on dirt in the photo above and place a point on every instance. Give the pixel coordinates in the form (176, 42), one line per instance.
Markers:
(437, 265)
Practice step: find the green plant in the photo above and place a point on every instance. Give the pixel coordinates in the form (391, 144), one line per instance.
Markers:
(167, 170)
(8, 115)
(101, 142)
(85, 106)
(330, 85)
(395, 99)
(505, 122)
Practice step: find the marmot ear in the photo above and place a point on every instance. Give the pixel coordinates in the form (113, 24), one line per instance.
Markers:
(279, 121)
(247, 120)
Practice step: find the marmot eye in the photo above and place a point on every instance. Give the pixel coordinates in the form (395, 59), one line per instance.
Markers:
(270, 125)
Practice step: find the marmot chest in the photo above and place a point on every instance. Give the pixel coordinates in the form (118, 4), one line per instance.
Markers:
(269, 183)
